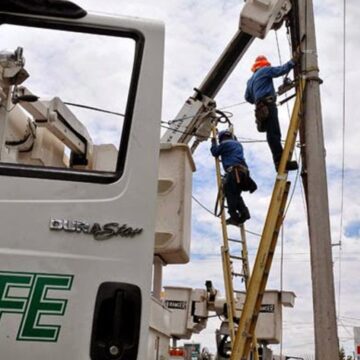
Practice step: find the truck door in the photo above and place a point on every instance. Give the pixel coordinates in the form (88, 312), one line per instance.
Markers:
(79, 136)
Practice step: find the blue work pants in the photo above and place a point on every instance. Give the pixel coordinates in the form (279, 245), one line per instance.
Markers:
(273, 133)
(232, 192)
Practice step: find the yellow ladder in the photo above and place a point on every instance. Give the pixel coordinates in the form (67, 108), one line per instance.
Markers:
(228, 263)
(257, 284)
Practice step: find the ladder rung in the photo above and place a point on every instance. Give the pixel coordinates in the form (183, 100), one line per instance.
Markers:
(239, 291)
(236, 241)
(236, 257)
(238, 274)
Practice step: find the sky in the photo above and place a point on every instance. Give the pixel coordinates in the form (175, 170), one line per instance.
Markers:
(73, 68)
(196, 34)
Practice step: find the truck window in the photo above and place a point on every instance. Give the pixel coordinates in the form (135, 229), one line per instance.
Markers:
(65, 109)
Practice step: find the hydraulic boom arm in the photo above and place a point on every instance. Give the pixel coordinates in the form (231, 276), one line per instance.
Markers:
(194, 118)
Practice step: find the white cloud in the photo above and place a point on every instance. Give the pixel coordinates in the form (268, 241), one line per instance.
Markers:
(196, 34)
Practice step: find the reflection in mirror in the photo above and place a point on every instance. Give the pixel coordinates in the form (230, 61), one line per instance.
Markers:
(63, 97)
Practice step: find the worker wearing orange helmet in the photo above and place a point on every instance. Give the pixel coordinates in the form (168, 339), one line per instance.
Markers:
(260, 91)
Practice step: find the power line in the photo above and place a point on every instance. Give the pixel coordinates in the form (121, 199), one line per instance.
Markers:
(283, 225)
(212, 213)
(282, 280)
(202, 205)
(233, 105)
(344, 327)
(180, 131)
(343, 154)
(249, 141)
(297, 157)
(350, 318)
(169, 122)
(289, 202)
(94, 108)
(245, 141)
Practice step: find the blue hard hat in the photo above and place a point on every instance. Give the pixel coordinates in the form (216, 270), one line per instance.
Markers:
(224, 133)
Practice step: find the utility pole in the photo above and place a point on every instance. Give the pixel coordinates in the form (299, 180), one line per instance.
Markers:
(315, 184)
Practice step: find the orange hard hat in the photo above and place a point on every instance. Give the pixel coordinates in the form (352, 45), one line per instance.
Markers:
(260, 61)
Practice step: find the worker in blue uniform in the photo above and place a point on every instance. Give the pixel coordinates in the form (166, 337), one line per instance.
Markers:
(260, 91)
(237, 175)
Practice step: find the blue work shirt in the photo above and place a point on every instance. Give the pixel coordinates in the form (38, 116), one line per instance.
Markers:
(260, 85)
(231, 152)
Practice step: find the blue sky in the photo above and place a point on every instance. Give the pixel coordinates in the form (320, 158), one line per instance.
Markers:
(352, 230)
(196, 34)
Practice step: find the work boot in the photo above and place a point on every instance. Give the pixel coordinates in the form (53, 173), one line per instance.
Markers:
(252, 185)
(290, 165)
(233, 221)
(245, 215)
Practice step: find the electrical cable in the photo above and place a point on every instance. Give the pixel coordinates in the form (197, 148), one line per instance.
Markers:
(210, 212)
(280, 62)
(202, 205)
(169, 122)
(278, 47)
(290, 199)
(181, 132)
(297, 157)
(282, 227)
(211, 316)
(219, 203)
(302, 190)
(226, 115)
(351, 318)
(343, 155)
(94, 108)
(233, 105)
(344, 327)
(296, 181)
(294, 188)
(250, 141)
(282, 281)
(253, 141)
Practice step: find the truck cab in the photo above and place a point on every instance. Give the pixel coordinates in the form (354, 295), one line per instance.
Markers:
(79, 139)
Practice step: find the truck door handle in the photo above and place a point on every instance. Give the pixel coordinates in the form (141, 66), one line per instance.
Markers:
(116, 323)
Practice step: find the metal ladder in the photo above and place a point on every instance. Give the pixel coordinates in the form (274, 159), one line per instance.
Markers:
(228, 262)
(257, 284)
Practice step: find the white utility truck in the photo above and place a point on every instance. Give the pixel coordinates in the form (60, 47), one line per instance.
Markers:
(88, 213)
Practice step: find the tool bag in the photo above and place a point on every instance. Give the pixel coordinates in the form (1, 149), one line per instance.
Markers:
(243, 178)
